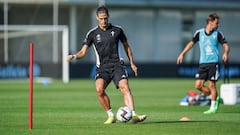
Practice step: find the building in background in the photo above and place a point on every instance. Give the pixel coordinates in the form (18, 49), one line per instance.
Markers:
(156, 29)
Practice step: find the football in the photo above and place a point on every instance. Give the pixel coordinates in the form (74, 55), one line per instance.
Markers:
(124, 114)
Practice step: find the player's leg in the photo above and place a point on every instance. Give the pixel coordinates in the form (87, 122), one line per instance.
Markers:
(201, 76)
(215, 97)
(214, 103)
(128, 100)
(104, 100)
(213, 89)
(127, 96)
(102, 96)
(199, 84)
(120, 80)
(212, 78)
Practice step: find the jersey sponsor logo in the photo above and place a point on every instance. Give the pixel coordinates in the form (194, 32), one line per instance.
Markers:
(208, 49)
(98, 38)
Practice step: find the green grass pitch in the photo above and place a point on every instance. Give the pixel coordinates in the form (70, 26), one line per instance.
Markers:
(73, 109)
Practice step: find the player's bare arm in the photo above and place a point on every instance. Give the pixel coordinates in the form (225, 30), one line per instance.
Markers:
(185, 50)
(79, 54)
(130, 57)
(226, 52)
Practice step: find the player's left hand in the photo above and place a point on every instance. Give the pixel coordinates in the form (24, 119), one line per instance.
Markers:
(225, 57)
(134, 68)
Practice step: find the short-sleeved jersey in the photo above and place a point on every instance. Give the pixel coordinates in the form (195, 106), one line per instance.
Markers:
(106, 43)
(208, 44)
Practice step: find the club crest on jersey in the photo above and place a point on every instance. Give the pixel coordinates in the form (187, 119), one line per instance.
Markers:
(112, 33)
(98, 38)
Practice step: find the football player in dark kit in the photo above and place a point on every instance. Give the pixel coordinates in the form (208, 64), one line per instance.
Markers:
(105, 40)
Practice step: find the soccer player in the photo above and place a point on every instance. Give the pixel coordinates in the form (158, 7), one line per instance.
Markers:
(105, 37)
(209, 39)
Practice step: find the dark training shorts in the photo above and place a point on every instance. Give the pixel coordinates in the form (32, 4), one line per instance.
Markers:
(208, 71)
(112, 71)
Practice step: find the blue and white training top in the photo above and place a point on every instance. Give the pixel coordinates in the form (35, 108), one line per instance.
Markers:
(208, 44)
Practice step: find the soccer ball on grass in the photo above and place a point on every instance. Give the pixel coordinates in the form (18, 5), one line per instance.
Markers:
(124, 114)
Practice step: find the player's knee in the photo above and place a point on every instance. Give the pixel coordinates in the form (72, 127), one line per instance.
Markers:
(125, 89)
(100, 90)
(212, 86)
(198, 86)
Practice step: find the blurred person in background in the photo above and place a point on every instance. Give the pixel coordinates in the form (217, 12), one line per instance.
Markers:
(209, 39)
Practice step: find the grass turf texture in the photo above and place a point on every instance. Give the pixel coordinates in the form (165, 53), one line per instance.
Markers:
(73, 109)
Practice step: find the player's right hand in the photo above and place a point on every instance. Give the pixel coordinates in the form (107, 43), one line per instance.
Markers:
(70, 58)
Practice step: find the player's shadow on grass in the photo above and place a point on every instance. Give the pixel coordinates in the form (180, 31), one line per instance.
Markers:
(166, 122)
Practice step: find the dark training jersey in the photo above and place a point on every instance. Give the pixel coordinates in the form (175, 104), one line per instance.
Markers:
(106, 43)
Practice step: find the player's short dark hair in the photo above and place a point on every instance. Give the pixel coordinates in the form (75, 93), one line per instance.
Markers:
(212, 17)
(102, 9)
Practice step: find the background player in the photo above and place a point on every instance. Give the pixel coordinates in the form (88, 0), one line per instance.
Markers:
(209, 39)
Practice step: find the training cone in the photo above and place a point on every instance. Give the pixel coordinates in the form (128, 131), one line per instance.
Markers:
(184, 118)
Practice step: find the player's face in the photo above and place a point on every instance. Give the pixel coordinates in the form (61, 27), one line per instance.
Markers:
(215, 24)
(102, 20)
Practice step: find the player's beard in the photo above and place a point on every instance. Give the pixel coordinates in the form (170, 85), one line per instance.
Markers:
(105, 25)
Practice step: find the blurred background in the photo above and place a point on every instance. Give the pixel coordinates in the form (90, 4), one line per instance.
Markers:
(157, 31)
